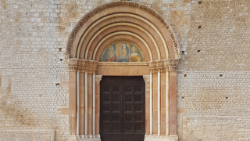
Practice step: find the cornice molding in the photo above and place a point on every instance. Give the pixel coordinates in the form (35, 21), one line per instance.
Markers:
(117, 4)
(90, 66)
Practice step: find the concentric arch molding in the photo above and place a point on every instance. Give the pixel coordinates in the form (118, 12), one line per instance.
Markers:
(117, 4)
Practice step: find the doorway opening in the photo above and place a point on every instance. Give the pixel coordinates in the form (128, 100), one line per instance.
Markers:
(122, 109)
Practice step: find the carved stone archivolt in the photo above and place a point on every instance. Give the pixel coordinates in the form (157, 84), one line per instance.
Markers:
(163, 65)
(82, 65)
(121, 4)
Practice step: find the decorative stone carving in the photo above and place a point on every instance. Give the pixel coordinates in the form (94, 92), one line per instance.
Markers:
(166, 66)
(163, 65)
(160, 66)
(157, 66)
(173, 64)
(121, 4)
(82, 65)
(91, 66)
(98, 78)
(73, 63)
(146, 78)
(153, 66)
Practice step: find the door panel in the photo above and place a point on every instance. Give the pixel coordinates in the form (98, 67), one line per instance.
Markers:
(122, 109)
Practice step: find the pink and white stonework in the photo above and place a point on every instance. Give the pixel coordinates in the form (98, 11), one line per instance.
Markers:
(193, 56)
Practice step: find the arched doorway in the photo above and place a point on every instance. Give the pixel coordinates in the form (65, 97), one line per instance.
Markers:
(123, 39)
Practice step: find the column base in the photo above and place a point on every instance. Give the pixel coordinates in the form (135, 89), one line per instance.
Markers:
(84, 138)
(90, 138)
(161, 138)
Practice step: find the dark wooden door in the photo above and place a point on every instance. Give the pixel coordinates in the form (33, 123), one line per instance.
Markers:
(122, 115)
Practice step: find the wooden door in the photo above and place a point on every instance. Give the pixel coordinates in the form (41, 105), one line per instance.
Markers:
(122, 115)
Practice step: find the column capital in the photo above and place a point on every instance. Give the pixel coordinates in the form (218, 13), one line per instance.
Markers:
(163, 65)
(146, 78)
(72, 64)
(160, 66)
(91, 66)
(98, 78)
(157, 66)
(173, 63)
(153, 66)
(82, 65)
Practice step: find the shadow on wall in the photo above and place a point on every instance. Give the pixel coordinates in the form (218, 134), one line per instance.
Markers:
(12, 109)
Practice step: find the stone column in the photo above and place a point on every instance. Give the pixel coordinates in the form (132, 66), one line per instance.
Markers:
(153, 98)
(91, 68)
(160, 68)
(90, 105)
(86, 105)
(173, 97)
(72, 97)
(167, 96)
(81, 69)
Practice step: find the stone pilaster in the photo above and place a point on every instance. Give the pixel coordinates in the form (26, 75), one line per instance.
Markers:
(172, 63)
(147, 103)
(98, 78)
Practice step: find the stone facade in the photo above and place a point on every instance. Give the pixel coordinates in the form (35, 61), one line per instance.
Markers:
(213, 72)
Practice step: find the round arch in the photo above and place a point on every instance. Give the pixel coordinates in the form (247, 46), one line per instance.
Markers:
(138, 24)
(123, 13)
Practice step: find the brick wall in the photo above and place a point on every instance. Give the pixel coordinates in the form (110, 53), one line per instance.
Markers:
(213, 85)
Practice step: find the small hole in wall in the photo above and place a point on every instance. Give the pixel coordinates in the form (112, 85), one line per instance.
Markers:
(60, 49)
(226, 97)
(200, 2)
(198, 51)
(221, 75)
(57, 84)
(185, 75)
(199, 27)
(183, 52)
(61, 59)
(183, 97)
